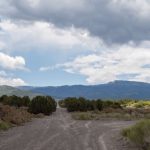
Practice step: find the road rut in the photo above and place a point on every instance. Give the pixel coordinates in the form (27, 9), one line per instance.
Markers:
(60, 132)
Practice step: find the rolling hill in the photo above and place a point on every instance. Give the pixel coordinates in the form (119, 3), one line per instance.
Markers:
(8, 90)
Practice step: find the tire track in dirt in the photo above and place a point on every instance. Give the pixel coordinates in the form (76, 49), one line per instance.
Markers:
(60, 132)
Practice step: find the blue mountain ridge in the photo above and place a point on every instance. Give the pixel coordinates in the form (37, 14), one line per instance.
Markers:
(112, 90)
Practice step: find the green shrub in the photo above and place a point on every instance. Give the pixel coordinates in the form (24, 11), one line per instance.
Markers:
(4, 125)
(72, 104)
(111, 104)
(3, 98)
(82, 104)
(99, 105)
(139, 134)
(15, 100)
(25, 101)
(42, 104)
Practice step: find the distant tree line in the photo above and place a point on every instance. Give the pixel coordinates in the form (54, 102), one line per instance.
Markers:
(82, 104)
(39, 104)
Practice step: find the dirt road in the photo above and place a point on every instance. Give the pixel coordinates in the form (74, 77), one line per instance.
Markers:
(60, 132)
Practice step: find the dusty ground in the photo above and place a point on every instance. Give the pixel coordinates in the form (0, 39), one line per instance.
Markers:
(60, 132)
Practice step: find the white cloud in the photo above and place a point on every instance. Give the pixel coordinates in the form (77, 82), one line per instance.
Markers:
(109, 65)
(12, 63)
(44, 68)
(8, 79)
(11, 81)
(26, 35)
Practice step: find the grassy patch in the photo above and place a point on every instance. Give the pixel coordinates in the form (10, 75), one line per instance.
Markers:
(119, 114)
(83, 116)
(135, 104)
(4, 125)
(100, 116)
(139, 134)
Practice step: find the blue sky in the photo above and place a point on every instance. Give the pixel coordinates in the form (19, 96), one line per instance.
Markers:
(50, 77)
(76, 42)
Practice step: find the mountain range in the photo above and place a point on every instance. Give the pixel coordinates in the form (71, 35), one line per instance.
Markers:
(111, 90)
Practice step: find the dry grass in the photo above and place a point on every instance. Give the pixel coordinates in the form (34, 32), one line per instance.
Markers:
(119, 114)
(11, 116)
(136, 104)
(14, 115)
(139, 134)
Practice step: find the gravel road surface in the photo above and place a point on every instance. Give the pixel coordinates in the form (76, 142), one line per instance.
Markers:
(60, 132)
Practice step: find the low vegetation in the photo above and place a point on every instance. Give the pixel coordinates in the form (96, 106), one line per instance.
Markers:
(15, 101)
(81, 104)
(4, 125)
(109, 114)
(84, 109)
(18, 110)
(135, 104)
(139, 134)
(41, 104)
(14, 115)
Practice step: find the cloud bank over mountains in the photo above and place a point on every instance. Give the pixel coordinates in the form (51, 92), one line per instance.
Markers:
(106, 39)
(129, 63)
